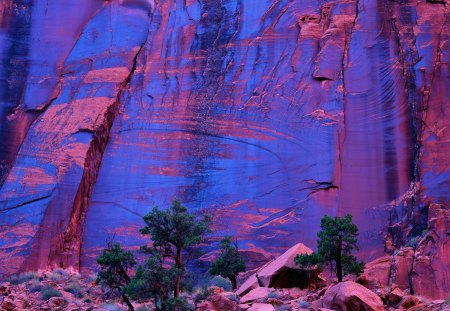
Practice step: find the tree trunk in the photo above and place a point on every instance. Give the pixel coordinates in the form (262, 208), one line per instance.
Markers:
(339, 262)
(176, 291)
(233, 281)
(128, 302)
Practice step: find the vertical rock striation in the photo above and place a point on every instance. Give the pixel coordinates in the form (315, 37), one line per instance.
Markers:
(44, 199)
(269, 114)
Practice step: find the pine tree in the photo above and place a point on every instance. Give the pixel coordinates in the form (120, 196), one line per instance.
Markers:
(230, 262)
(336, 241)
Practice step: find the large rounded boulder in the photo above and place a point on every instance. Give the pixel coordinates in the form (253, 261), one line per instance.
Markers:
(350, 296)
(282, 272)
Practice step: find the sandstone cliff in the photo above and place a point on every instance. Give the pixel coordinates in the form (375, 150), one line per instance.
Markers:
(269, 114)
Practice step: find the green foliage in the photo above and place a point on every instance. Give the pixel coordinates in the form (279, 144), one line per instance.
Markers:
(23, 277)
(48, 292)
(179, 303)
(115, 264)
(172, 231)
(75, 289)
(202, 294)
(303, 304)
(221, 282)
(351, 265)
(58, 275)
(230, 262)
(336, 241)
(175, 227)
(273, 295)
(154, 280)
(35, 286)
(307, 261)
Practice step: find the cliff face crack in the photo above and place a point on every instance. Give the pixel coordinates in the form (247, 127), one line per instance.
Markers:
(66, 252)
(4, 210)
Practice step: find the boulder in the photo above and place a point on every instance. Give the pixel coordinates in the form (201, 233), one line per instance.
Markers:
(376, 273)
(257, 293)
(248, 285)
(56, 302)
(316, 304)
(220, 302)
(294, 293)
(395, 296)
(284, 273)
(8, 304)
(204, 306)
(5, 289)
(244, 306)
(261, 307)
(409, 302)
(381, 271)
(351, 296)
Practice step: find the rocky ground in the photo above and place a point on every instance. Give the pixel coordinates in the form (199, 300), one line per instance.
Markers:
(65, 290)
(406, 280)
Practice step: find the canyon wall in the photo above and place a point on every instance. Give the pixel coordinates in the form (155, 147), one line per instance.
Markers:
(267, 114)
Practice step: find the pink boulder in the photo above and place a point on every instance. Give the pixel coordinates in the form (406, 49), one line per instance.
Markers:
(350, 296)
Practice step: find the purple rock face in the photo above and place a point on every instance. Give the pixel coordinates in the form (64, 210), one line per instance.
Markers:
(267, 114)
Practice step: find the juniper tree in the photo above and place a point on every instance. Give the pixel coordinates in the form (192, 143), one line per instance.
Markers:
(115, 264)
(156, 279)
(172, 231)
(336, 241)
(230, 262)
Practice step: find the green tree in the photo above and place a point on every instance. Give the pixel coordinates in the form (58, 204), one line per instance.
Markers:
(156, 280)
(336, 241)
(230, 262)
(172, 231)
(115, 264)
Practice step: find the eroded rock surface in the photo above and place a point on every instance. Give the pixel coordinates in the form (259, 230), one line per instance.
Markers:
(423, 268)
(351, 296)
(268, 114)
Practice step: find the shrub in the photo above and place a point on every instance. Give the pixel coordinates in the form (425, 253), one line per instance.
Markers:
(92, 277)
(35, 286)
(202, 294)
(273, 295)
(221, 282)
(144, 308)
(58, 275)
(303, 304)
(23, 277)
(283, 308)
(178, 303)
(48, 292)
(111, 307)
(75, 289)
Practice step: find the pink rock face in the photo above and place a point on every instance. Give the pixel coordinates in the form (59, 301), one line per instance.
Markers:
(351, 296)
(422, 269)
(267, 114)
